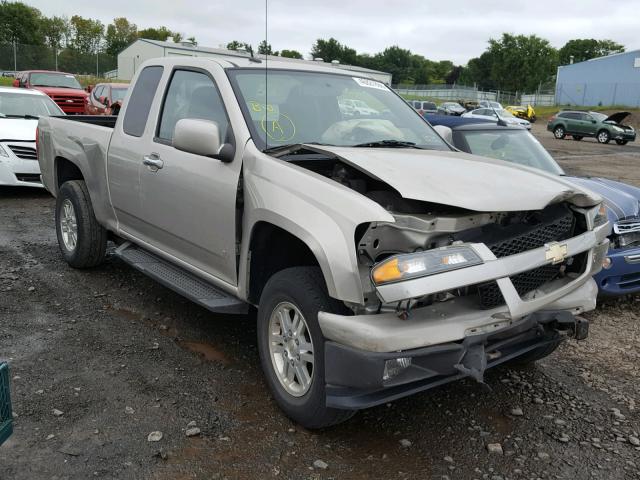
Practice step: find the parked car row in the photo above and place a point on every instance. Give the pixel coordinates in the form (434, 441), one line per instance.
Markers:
(71, 97)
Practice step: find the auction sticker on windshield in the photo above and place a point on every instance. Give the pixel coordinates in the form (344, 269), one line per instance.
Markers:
(365, 82)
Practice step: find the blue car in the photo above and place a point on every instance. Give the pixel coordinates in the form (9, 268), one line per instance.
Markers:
(621, 268)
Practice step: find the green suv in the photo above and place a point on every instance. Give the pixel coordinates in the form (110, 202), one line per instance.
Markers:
(592, 124)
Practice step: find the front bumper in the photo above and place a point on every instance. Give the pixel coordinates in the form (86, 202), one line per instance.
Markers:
(623, 277)
(626, 135)
(16, 171)
(354, 377)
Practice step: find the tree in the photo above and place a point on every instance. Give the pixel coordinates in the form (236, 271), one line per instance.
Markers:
(521, 62)
(290, 54)
(582, 49)
(20, 23)
(264, 48)
(478, 72)
(331, 49)
(192, 39)
(86, 34)
(56, 31)
(160, 33)
(236, 45)
(119, 35)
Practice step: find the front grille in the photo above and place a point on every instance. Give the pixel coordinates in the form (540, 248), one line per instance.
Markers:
(551, 226)
(68, 101)
(627, 226)
(26, 153)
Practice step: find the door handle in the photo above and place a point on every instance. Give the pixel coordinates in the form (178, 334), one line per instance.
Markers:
(153, 161)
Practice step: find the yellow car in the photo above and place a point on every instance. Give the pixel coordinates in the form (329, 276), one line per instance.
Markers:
(527, 113)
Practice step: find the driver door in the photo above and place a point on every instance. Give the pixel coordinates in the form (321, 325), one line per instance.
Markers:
(188, 202)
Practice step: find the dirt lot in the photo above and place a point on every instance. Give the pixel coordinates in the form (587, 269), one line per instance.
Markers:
(102, 358)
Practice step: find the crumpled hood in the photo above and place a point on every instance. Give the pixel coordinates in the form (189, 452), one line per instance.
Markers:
(18, 129)
(622, 200)
(617, 117)
(462, 180)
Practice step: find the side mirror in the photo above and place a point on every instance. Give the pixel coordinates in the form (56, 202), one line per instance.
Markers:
(444, 132)
(201, 137)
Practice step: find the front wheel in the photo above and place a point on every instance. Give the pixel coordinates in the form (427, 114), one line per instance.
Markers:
(559, 132)
(291, 345)
(603, 136)
(82, 240)
(622, 142)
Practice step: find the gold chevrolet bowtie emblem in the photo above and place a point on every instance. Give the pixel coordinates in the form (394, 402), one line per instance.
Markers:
(556, 252)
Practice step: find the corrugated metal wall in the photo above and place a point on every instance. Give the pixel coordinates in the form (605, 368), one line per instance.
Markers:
(612, 80)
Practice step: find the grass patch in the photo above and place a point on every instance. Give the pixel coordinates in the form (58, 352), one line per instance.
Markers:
(6, 81)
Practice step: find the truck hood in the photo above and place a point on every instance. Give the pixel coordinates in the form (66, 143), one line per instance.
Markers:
(621, 200)
(617, 117)
(18, 129)
(72, 92)
(462, 180)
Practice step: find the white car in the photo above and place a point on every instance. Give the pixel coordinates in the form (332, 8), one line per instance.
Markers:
(358, 107)
(490, 104)
(496, 114)
(19, 112)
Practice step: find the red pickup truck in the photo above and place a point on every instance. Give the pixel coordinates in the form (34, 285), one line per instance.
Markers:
(63, 88)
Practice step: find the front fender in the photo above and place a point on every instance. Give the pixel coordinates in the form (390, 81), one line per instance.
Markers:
(320, 212)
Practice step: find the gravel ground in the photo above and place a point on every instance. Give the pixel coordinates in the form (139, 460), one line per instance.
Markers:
(102, 358)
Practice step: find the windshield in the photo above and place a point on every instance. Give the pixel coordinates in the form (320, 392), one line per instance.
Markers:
(309, 107)
(117, 94)
(21, 104)
(513, 145)
(504, 113)
(61, 80)
(451, 104)
(600, 117)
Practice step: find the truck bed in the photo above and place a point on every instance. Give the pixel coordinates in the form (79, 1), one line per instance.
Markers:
(108, 121)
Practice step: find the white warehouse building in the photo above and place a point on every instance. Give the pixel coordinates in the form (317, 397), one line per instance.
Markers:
(143, 49)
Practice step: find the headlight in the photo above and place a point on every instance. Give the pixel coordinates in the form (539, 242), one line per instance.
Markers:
(618, 129)
(421, 264)
(601, 216)
(3, 152)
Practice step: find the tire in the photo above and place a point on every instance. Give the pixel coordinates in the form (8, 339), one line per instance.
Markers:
(534, 355)
(622, 142)
(302, 288)
(74, 213)
(577, 138)
(559, 132)
(603, 136)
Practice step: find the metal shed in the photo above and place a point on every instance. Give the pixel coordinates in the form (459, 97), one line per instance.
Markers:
(143, 49)
(610, 80)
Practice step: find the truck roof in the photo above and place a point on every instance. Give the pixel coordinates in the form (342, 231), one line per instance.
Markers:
(260, 62)
(28, 91)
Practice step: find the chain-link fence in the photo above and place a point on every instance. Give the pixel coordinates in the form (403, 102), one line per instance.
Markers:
(18, 57)
(456, 92)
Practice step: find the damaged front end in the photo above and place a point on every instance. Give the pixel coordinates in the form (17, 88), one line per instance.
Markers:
(451, 289)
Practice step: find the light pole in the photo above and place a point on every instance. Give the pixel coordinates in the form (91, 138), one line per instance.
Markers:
(15, 57)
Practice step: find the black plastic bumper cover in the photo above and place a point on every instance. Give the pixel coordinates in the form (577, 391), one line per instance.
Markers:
(354, 377)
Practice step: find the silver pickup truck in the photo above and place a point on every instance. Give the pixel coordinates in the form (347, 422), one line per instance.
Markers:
(381, 260)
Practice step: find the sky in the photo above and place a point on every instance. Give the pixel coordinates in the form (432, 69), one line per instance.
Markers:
(439, 30)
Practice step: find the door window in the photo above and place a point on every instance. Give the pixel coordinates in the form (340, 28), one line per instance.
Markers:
(191, 95)
(97, 92)
(140, 101)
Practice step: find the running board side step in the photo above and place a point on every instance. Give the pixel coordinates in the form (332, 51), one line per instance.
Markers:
(180, 281)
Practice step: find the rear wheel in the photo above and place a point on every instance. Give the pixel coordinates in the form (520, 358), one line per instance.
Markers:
(559, 132)
(291, 345)
(622, 142)
(577, 138)
(603, 136)
(82, 240)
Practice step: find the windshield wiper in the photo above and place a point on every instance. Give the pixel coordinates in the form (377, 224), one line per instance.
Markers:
(28, 117)
(294, 147)
(388, 144)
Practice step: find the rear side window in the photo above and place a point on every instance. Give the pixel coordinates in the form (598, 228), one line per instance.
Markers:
(140, 101)
(191, 95)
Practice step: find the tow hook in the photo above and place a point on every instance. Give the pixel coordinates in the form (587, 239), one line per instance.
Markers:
(578, 326)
